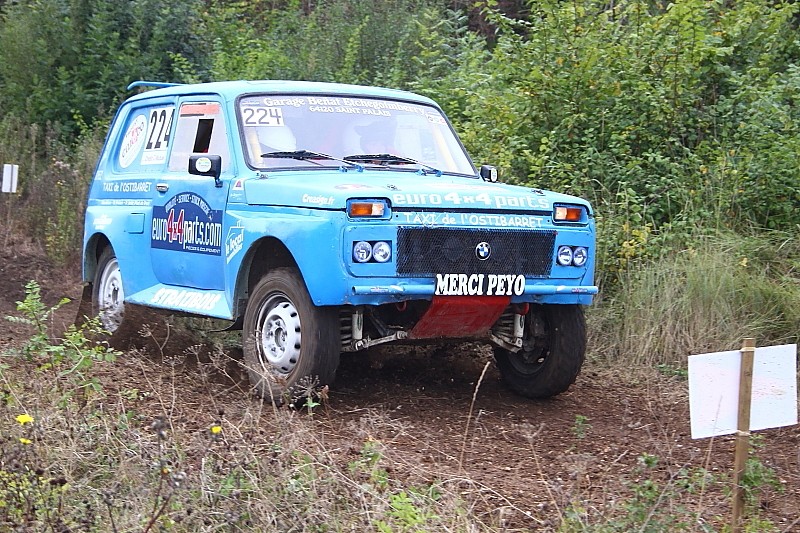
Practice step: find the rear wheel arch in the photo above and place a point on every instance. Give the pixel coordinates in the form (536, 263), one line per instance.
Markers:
(95, 246)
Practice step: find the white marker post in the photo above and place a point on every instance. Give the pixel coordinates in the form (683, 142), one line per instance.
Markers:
(10, 178)
(739, 392)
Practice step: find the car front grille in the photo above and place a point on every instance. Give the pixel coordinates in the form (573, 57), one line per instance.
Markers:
(428, 251)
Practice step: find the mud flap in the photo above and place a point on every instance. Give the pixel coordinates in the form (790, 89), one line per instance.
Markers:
(459, 317)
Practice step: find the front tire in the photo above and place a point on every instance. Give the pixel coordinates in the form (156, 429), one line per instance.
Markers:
(287, 337)
(553, 351)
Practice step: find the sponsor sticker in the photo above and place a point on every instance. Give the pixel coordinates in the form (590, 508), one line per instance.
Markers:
(352, 186)
(234, 242)
(481, 199)
(102, 221)
(122, 202)
(203, 164)
(317, 200)
(133, 141)
(470, 219)
(183, 299)
(127, 187)
(186, 223)
(480, 284)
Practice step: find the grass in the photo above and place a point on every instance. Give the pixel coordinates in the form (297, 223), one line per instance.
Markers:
(133, 458)
(706, 298)
(113, 466)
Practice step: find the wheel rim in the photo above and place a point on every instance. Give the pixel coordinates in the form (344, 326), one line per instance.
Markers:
(111, 296)
(536, 348)
(278, 335)
(528, 362)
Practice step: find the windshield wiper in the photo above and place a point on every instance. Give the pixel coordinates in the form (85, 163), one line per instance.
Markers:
(394, 159)
(308, 155)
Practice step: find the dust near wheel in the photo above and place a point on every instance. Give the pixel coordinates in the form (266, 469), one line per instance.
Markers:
(123, 321)
(553, 352)
(287, 338)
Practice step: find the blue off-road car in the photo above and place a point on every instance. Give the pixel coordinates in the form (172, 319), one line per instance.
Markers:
(323, 219)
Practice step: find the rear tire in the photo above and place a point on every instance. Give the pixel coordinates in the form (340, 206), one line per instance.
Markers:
(287, 338)
(553, 351)
(108, 296)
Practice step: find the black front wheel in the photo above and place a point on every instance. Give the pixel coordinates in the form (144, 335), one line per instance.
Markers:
(287, 337)
(553, 351)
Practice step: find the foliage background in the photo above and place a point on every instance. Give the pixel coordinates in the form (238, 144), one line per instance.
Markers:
(679, 121)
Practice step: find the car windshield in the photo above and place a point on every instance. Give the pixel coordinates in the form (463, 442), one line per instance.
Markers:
(314, 131)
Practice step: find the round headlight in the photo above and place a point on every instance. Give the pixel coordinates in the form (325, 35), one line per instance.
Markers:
(564, 257)
(362, 251)
(579, 256)
(381, 251)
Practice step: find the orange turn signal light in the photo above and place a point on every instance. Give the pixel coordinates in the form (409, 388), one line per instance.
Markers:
(569, 214)
(366, 209)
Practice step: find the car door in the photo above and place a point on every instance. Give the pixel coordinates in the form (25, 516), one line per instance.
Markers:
(187, 232)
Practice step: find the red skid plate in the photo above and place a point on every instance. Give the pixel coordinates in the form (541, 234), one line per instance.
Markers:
(459, 316)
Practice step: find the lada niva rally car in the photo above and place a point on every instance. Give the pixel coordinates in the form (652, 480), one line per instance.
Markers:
(323, 219)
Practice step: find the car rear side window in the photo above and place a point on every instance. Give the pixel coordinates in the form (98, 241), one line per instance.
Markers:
(146, 140)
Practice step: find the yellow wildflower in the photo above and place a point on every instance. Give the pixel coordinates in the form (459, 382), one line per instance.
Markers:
(24, 419)
(216, 430)
(23, 440)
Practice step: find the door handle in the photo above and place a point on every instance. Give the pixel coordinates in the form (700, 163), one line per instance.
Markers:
(162, 187)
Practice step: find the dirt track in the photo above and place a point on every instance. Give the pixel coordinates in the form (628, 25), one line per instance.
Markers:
(532, 457)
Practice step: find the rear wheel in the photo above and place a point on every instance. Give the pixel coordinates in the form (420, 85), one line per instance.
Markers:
(108, 296)
(287, 337)
(553, 351)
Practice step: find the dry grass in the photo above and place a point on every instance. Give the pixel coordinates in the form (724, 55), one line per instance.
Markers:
(177, 444)
(133, 458)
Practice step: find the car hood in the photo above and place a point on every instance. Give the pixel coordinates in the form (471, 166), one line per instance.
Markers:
(403, 190)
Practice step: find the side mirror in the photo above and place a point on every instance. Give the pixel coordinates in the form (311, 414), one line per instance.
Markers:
(206, 165)
(488, 173)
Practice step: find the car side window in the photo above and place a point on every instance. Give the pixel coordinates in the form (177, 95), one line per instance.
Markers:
(147, 138)
(200, 130)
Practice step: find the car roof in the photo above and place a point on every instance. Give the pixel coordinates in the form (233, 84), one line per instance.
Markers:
(232, 89)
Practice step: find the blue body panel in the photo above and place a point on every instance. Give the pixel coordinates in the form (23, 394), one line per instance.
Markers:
(186, 242)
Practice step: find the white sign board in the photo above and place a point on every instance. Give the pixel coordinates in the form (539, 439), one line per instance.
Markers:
(714, 390)
(10, 178)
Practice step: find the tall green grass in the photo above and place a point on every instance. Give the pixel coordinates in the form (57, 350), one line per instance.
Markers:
(704, 298)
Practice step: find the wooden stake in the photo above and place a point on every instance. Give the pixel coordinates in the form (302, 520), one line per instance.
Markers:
(743, 430)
